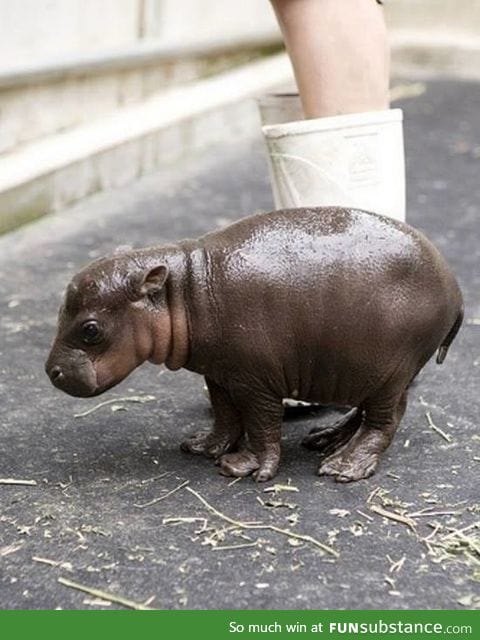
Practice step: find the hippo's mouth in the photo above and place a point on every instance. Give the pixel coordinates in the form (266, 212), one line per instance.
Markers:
(78, 381)
(78, 389)
(101, 389)
(85, 385)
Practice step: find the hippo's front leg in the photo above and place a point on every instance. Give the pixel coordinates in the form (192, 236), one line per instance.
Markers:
(227, 429)
(262, 419)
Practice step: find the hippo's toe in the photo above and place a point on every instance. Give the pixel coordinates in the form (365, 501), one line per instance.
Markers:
(331, 466)
(207, 443)
(358, 470)
(349, 467)
(239, 464)
(195, 443)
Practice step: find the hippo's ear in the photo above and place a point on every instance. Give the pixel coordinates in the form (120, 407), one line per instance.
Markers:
(153, 280)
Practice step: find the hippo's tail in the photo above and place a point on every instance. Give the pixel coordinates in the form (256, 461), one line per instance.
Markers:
(443, 348)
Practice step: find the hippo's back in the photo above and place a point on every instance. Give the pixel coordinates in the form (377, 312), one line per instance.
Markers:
(340, 296)
(351, 269)
(290, 247)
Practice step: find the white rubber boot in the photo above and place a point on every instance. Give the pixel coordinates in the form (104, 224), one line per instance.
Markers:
(353, 160)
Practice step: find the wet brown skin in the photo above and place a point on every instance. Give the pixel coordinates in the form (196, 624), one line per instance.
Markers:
(328, 305)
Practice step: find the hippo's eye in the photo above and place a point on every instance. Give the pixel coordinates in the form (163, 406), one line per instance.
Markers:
(91, 332)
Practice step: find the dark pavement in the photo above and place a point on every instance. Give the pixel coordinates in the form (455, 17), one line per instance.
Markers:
(81, 520)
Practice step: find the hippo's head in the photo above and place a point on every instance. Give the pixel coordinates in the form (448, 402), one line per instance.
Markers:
(114, 318)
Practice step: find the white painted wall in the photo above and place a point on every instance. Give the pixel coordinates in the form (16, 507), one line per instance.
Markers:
(36, 29)
(435, 16)
(33, 30)
(36, 32)
(186, 20)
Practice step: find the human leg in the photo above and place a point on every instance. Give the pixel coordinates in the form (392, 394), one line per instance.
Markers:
(339, 52)
(349, 150)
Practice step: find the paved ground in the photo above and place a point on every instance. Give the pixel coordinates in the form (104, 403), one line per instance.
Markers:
(81, 521)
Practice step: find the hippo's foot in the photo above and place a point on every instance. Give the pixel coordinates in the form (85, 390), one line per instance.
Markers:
(239, 464)
(207, 443)
(245, 462)
(358, 459)
(349, 469)
(327, 440)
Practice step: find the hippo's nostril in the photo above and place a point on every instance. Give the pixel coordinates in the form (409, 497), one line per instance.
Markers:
(56, 374)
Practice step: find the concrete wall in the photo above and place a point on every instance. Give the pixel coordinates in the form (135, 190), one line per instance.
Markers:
(435, 17)
(85, 84)
(187, 20)
(37, 36)
(33, 111)
(36, 30)
(40, 34)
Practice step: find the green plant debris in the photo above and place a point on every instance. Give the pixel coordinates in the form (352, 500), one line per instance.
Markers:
(293, 542)
(356, 529)
(167, 495)
(15, 481)
(365, 515)
(393, 515)
(456, 545)
(392, 475)
(155, 478)
(341, 513)
(215, 535)
(390, 581)
(230, 484)
(382, 496)
(53, 563)
(233, 547)
(97, 602)
(396, 565)
(471, 601)
(275, 504)
(109, 597)
(293, 518)
(278, 488)
(433, 426)
(91, 528)
(183, 520)
(446, 542)
(268, 527)
(24, 529)
(114, 401)
(425, 513)
(10, 548)
(118, 407)
(456, 532)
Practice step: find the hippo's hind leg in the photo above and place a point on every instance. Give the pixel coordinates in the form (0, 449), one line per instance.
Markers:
(329, 439)
(227, 430)
(262, 418)
(360, 456)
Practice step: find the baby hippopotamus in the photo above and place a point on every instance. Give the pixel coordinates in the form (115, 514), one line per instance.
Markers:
(327, 305)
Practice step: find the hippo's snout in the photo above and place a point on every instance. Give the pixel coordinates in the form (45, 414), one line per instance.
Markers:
(55, 374)
(73, 373)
